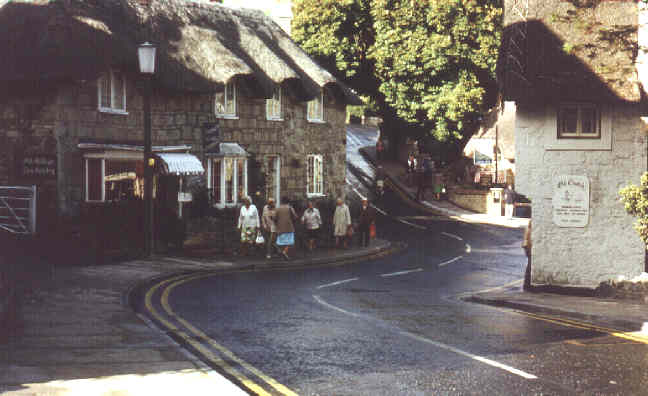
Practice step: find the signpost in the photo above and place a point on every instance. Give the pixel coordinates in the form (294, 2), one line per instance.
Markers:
(571, 196)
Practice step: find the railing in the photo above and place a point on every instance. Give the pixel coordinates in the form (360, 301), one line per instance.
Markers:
(18, 209)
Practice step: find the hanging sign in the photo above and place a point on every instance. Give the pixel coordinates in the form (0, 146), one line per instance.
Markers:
(571, 201)
(38, 166)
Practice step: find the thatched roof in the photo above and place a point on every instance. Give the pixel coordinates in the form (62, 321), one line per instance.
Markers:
(200, 46)
(570, 50)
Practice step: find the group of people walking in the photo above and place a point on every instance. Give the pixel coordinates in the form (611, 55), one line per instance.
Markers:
(275, 228)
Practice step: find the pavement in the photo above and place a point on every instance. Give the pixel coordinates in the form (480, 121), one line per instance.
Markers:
(570, 307)
(76, 333)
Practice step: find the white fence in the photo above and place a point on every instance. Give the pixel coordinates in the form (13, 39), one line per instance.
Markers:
(18, 209)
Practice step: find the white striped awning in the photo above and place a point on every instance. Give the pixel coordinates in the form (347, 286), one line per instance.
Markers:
(181, 164)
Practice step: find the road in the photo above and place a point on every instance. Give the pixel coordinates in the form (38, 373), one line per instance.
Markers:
(395, 325)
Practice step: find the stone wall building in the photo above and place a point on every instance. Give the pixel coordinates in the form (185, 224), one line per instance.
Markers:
(572, 70)
(231, 90)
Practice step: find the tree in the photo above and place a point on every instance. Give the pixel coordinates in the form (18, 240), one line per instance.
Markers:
(427, 65)
(635, 200)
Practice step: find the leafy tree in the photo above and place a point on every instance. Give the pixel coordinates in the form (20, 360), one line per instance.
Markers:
(635, 200)
(427, 65)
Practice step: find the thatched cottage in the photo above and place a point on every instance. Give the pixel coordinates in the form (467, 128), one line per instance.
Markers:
(232, 94)
(575, 71)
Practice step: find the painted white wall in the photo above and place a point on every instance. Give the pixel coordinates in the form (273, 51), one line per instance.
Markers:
(608, 246)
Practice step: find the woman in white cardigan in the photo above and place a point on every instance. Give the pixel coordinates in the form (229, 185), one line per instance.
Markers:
(248, 224)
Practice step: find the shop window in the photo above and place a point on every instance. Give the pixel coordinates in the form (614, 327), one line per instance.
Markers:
(581, 121)
(109, 179)
(315, 175)
(315, 109)
(225, 102)
(111, 92)
(273, 106)
(228, 180)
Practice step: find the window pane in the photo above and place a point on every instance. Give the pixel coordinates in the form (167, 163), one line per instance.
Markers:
(309, 174)
(229, 180)
(318, 175)
(94, 179)
(216, 180)
(118, 91)
(568, 120)
(588, 121)
(240, 174)
(121, 180)
(230, 99)
(104, 89)
(271, 179)
(219, 102)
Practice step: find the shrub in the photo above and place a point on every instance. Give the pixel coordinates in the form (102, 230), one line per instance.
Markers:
(635, 200)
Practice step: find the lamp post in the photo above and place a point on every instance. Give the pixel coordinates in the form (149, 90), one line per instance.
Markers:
(146, 58)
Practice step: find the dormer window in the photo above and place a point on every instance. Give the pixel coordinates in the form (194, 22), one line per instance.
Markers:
(273, 106)
(225, 101)
(315, 109)
(111, 92)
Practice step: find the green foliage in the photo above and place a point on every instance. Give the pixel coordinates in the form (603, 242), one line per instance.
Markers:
(426, 65)
(635, 200)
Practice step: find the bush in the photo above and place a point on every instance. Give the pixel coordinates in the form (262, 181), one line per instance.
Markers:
(635, 200)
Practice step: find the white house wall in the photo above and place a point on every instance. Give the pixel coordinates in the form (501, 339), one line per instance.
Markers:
(607, 246)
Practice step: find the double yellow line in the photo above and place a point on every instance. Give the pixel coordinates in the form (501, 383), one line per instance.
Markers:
(197, 339)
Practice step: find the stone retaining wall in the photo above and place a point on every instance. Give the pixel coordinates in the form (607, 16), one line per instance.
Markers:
(475, 200)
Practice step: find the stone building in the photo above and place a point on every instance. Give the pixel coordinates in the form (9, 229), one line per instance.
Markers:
(231, 90)
(574, 70)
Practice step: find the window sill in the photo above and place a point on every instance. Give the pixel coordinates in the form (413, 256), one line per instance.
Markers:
(274, 119)
(314, 195)
(227, 117)
(317, 121)
(109, 110)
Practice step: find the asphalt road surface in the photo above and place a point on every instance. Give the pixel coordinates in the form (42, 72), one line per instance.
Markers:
(396, 325)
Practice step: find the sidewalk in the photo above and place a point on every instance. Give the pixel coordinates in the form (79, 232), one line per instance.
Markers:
(613, 315)
(396, 175)
(79, 336)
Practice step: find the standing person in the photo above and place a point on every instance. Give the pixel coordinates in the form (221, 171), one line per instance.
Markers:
(411, 168)
(285, 215)
(312, 221)
(380, 148)
(424, 176)
(341, 223)
(269, 226)
(509, 200)
(248, 223)
(366, 217)
(526, 244)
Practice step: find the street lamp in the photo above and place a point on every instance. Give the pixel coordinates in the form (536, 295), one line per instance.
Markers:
(146, 58)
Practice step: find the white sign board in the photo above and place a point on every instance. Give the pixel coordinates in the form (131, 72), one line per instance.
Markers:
(571, 201)
(184, 196)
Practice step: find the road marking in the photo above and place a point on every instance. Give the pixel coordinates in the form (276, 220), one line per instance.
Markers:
(411, 224)
(333, 307)
(443, 264)
(452, 236)
(337, 283)
(482, 359)
(401, 272)
(199, 347)
(382, 212)
(273, 383)
(200, 263)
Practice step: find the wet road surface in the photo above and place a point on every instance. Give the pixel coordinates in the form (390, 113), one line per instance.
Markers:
(397, 325)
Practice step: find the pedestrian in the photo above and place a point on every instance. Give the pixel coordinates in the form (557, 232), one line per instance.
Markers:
(526, 245)
(269, 226)
(509, 201)
(411, 168)
(380, 148)
(366, 218)
(312, 221)
(424, 176)
(248, 224)
(341, 223)
(437, 186)
(285, 215)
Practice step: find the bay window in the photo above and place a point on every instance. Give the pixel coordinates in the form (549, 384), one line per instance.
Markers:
(227, 180)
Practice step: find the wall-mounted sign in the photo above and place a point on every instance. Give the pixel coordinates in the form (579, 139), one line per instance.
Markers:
(38, 166)
(570, 203)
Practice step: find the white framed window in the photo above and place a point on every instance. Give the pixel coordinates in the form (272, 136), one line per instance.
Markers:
(227, 178)
(579, 121)
(113, 178)
(315, 109)
(225, 101)
(315, 175)
(273, 177)
(273, 106)
(111, 92)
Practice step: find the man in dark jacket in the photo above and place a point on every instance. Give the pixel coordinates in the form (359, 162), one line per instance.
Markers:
(366, 217)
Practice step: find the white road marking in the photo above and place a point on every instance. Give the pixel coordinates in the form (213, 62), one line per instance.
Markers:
(401, 272)
(200, 263)
(452, 236)
(337, 283)
(333, 307)
(443, 264)
(382, 212)
(482, 359)
(411, 224)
